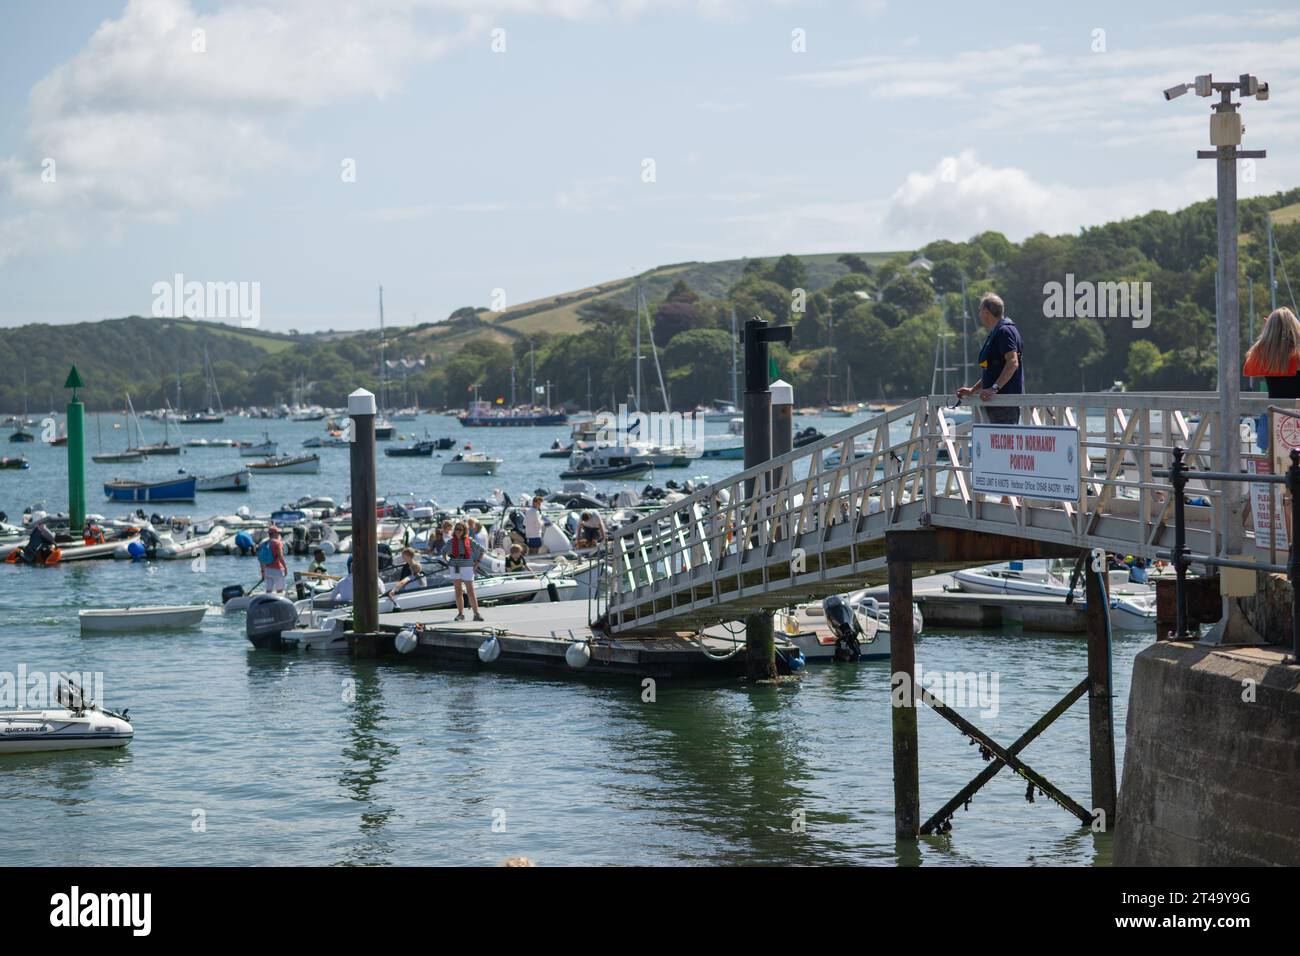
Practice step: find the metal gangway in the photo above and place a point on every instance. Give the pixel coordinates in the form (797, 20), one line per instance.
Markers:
(815, 520)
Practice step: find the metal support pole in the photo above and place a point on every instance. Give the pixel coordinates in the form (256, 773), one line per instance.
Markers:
(1178, 481)
(365, 553)
(902, 666)
(1229, 352)
(1101, 695)
(1293, 562)
(760, 644)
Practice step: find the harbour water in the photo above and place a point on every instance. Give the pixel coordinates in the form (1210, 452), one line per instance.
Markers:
(251, 757)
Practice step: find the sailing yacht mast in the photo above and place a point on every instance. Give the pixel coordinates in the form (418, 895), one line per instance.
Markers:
(654, 349)
(383, 364)
(735, 395)
(638, 344)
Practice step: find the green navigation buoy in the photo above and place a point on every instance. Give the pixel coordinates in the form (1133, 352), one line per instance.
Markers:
(76, 455)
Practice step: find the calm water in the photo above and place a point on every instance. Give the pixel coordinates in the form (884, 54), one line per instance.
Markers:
(419, 767)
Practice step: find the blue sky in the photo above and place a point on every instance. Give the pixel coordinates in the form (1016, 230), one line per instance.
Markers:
(522, 170)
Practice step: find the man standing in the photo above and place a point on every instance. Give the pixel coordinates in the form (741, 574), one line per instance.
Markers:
(1001, 371)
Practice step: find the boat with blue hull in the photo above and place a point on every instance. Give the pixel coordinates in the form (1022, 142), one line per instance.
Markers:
(173, 489)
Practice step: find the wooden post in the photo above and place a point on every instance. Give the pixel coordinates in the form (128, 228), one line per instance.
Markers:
(365, 550)
(1101, 718)
(902, 666)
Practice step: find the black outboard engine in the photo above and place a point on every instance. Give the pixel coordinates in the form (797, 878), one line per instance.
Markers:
(269, 616)
(844, 625)
(38, 546)
(149, 540)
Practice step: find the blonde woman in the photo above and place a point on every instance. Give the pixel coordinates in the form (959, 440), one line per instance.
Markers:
(462, 553)
(1275, 354)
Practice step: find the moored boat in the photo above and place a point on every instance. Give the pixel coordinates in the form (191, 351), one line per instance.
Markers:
(181, 488)
(288, 464)
(128, 620)
(63, 728)
(471, 463)
(234, 481)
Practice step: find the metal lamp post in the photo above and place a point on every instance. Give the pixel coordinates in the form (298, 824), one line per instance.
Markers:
(1226, 130)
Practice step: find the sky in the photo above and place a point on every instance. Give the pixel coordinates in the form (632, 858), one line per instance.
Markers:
(488, 152)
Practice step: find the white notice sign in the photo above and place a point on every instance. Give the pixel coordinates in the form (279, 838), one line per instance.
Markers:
(1029, 461)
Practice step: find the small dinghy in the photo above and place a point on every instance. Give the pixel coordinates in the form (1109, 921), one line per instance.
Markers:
(289, 465)
(74, 725)
(128, 620)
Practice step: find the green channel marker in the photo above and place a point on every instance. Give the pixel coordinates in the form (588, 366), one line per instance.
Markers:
(76, 455)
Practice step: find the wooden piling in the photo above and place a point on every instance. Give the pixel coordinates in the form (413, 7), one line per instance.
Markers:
(902, 666)
(1101, 717)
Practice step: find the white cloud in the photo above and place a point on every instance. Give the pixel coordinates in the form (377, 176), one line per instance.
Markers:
(961, 196)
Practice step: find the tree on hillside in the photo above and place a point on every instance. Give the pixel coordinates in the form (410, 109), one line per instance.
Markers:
(789, 272)
(908, 294)
(696, 360)
(855, 264)
(679, 312)
(761, 298)
(609, 320)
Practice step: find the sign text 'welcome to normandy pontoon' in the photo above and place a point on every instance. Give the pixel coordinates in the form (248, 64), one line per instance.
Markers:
(1029, 461)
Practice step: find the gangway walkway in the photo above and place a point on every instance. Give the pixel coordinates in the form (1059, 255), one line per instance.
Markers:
(816, 521)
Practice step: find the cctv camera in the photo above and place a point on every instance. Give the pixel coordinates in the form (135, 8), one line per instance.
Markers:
(1262, 92)
(1205, 85)
(1173, 91)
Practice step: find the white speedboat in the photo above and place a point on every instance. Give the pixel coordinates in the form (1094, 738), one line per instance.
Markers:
(61, 728)
(128, 620)
(260, 449)
(1132, 605)
(807, 627)
(471, 463)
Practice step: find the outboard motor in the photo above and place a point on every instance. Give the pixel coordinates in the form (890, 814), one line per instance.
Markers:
(269, 616)
(39, 545)
(844, 625)
(149, 540)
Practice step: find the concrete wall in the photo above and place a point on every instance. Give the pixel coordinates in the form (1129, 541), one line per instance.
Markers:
(1209, 778)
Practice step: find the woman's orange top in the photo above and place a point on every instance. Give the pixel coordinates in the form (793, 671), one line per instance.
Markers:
(1255, 368)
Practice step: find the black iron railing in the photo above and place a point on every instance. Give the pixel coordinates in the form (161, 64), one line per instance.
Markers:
(1182, 557)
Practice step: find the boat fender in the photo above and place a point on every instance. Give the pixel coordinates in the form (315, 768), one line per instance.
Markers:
(244, 541)
(489, 650)
(405, 641)
(136, 550)
(552, 591)
(578, 655)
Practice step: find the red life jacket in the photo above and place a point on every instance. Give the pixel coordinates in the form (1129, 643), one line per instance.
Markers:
(469, 550)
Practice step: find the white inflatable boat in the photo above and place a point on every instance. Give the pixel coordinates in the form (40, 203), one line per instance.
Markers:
(29, 731)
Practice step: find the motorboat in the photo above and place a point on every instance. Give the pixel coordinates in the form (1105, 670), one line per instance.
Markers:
(263, 449)
(471, 463)
(331, 441)
(129, 620)
(614, 467)
(63, 728)
(421, 449)
(1132, 605)
(289, 465)
(19, 462)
